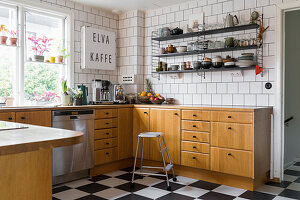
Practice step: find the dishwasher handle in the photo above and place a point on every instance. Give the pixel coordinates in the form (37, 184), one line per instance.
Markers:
(72, 117)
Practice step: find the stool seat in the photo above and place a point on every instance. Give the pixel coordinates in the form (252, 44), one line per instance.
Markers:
(150, 134)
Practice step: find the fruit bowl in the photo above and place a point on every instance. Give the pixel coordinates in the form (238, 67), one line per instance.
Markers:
(159, 101)
(144, 99)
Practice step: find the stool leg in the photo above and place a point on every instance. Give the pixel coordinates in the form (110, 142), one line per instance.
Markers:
(142, 156)
(136, 155)
(164, 162)
(174, 177)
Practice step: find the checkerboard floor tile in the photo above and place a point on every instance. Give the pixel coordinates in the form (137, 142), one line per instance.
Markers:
(116, 185)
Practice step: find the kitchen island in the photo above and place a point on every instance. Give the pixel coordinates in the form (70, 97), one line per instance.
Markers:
(26, 160)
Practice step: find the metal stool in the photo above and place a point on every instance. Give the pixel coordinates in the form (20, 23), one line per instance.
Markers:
(165, 168)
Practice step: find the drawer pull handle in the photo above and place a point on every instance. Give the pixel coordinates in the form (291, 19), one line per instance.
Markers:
(194, 157)
(175, 113)
(107, 113)
(107, 143)
(107, 153)
(194, 147)
(194, 126)
(10, 118)
(229, 117)
(22, 117)
(194, 136)
(107, 123)
(107, 133)
(194, 115)
(229, 154)
(229, 128)
(145, 113)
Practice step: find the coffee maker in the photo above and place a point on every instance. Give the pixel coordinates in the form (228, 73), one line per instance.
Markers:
(101, 92)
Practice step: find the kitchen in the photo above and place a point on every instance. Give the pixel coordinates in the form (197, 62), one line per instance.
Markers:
(208, 87)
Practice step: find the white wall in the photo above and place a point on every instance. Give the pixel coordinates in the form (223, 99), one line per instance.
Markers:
(218, 88)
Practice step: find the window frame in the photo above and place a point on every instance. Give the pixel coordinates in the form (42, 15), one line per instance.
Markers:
(42, 8)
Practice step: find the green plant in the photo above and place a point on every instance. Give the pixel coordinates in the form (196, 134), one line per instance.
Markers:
(148, 86)
(77, 93)
(63, 51)
(64, 87)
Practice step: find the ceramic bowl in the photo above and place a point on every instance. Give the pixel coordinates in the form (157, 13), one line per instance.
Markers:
(181, 49)
(217, 64)
(206, 64)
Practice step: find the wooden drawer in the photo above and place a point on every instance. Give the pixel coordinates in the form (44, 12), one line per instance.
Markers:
(106, 133)
(106, 123)
(236, 136)
(106, 113)
(197, 160)
(105, 143)
(195, 147)
(8, 116)
(235, 117)
(196, 115)
(195, 125)
(195, 136)
(235, 162)
(106, 155)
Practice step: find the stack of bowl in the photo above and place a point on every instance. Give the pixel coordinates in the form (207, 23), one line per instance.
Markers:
(246, 60)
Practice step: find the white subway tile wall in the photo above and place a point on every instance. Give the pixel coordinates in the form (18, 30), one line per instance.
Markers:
(87, 16)
(217, 88)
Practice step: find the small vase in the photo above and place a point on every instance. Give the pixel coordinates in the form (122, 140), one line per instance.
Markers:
(77, 102)
(13, 41)
(65, 99)
(3, 39)
(60, 59)
(38, 58)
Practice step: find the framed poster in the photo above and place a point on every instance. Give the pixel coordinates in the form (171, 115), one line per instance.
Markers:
(98, 49)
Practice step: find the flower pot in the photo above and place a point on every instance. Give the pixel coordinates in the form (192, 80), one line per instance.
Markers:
(77, 102)
(13, 41)
(65, 99)
(3, 40)
(38, 58)
(60, 59)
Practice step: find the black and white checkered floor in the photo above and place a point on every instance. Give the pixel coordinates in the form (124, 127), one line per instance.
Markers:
(116, 185)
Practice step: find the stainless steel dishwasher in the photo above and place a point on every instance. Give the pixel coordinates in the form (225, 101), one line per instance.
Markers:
(72, 162)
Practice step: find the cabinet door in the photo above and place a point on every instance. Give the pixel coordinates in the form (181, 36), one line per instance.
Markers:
(39, 118)
(168, 122)
(141, 124)
(8, 116)
(125, 132)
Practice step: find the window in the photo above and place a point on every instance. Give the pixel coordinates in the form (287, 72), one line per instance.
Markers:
(8, 61)
(31, 71)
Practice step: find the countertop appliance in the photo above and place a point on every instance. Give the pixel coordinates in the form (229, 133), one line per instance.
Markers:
(102, 92)
(119, 96)
(73, 162)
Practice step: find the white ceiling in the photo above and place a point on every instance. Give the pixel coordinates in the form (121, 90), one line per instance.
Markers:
(124, 5)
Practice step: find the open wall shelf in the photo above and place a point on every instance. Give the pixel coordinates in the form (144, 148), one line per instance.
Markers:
(206, 70)
(207, 51)
(208, 32)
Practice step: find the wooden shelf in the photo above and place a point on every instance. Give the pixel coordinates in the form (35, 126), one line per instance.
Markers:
(48, 63)
(206, 51)
(208, 32)
(206, 70)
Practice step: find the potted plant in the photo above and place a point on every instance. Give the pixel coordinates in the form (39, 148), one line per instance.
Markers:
(63, 54)
(13, 37)
(65, 97)
(77, 95)
(39, 47)
(3, 37)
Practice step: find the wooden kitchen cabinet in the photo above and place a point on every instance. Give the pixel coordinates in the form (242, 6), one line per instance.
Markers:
(141, 123)
(125, 132)
(8, 116)
(168, 122)
(39, 118)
